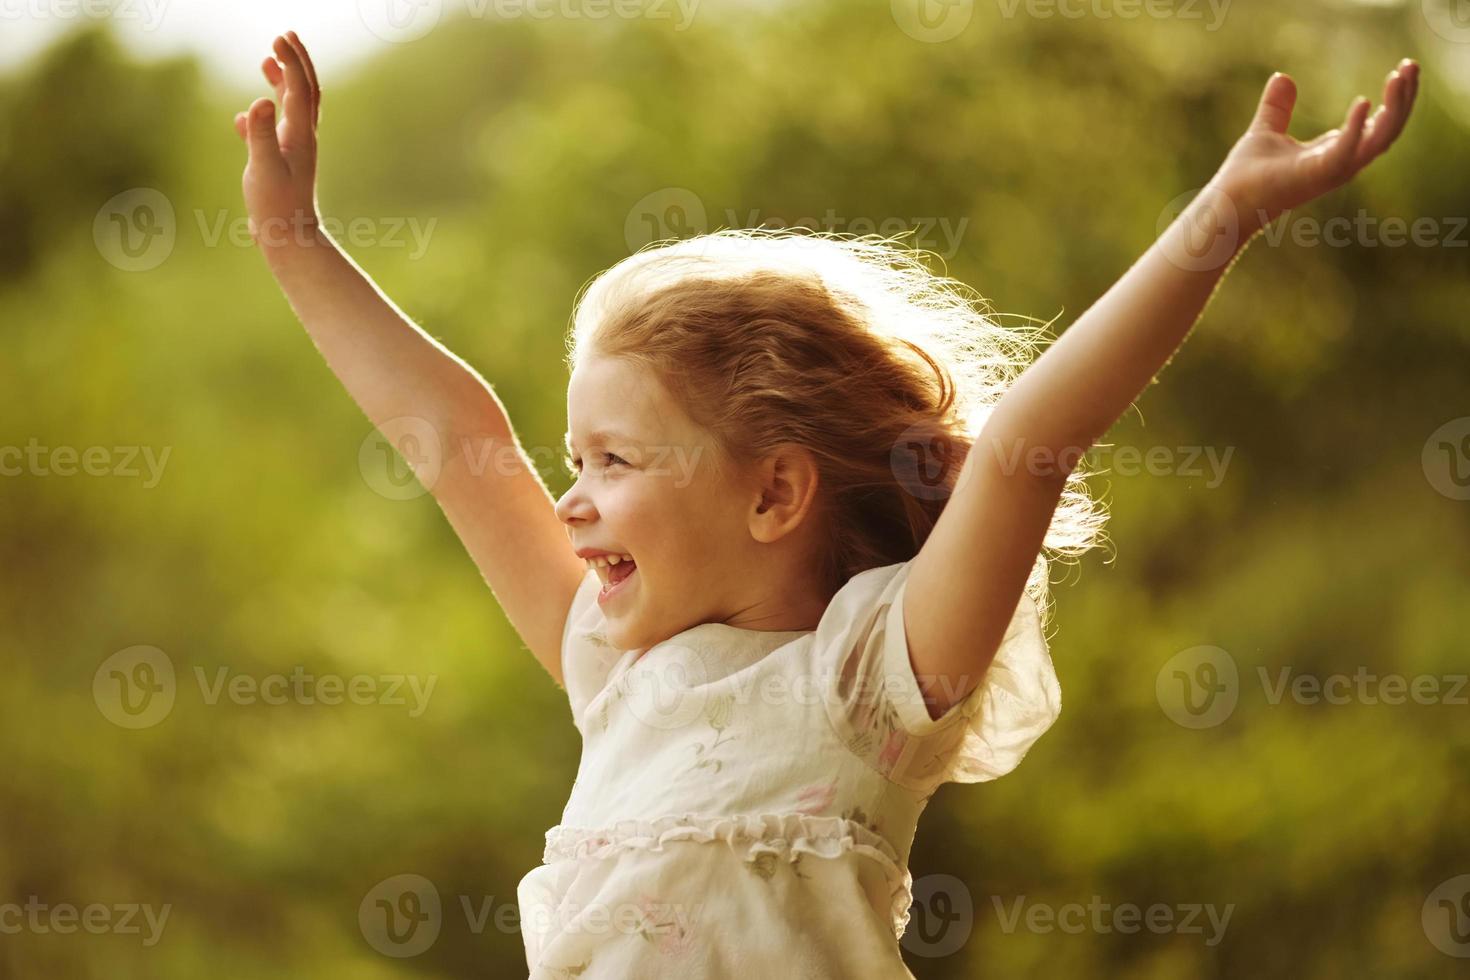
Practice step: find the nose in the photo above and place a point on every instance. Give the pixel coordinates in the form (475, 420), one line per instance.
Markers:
(574, 508)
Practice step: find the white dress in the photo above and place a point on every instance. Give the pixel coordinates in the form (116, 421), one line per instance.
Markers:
(746, 800)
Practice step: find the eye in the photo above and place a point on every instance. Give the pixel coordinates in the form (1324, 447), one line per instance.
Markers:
(608, 459)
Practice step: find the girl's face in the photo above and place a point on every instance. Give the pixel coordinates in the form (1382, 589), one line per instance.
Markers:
(646, 488)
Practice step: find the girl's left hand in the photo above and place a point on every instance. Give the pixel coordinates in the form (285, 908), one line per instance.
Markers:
(1268, 172)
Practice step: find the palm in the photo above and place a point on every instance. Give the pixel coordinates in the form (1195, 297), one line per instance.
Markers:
(1269, 172)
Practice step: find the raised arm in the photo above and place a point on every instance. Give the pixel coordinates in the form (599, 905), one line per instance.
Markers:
(966, 581)
(486, 486)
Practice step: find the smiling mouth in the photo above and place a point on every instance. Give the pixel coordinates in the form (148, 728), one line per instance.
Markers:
(615, 579)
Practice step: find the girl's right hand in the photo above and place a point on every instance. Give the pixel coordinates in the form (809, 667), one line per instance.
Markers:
(280, 175)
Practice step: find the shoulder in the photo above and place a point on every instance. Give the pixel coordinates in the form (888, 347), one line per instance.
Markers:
(863, 594)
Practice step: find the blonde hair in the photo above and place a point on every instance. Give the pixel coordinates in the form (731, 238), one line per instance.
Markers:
(848, 346)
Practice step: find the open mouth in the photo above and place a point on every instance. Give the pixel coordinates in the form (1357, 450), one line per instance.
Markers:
(618, 577)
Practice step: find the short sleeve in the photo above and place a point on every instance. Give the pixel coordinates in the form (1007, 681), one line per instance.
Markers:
(875, 704)
(587, 658)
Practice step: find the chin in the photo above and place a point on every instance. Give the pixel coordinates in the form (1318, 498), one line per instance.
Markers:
(627, 636)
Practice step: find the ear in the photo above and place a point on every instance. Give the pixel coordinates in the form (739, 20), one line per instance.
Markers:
(786, 489)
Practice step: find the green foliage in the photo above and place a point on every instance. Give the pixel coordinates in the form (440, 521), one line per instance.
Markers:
(1054, 144)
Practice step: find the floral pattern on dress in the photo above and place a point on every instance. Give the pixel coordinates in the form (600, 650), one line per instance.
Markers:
(796, 767)
(662, 928)
(860, 817)
(763, 865)
(877, 735)
(817, 797)
(717, 714)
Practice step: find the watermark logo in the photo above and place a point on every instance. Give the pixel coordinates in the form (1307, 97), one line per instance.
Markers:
(921, 459)
(1446, 459)
(135, 688)
(669, 212)
(400, 21)
(401, 916)
(402, 458)
(934, 233)
(679, 213)
(1198, 687)
(1446, 917)
(302, 229)
(1207, 233)
(1209, 230)
(405, 458)
(932, 21)
(669, 689)
(135, 230)
(941, 918)
(1450, 19)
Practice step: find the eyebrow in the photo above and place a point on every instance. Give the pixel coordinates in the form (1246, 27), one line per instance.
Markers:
(600, 438)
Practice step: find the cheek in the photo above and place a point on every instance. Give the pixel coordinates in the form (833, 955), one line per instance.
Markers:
(667, 521)
(637, 515)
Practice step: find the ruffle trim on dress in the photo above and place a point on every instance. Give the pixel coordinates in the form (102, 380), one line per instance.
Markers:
(783, 835)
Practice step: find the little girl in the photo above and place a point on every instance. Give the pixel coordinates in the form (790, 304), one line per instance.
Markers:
(774, 437)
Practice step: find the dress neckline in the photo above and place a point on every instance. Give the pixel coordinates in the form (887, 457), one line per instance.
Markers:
(758, 637)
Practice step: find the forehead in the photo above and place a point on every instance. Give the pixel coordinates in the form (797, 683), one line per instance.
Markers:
(612, 399)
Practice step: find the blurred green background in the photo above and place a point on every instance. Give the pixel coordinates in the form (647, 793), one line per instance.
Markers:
(1037, 153)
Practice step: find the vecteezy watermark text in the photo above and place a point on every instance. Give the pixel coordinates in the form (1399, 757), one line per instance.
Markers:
(116, 461)
(97, 918)
(149, 12)
(677, 213)
(1200, 687)
(403, 915)
(402, 21)
(136, 688)
(136, 230)
(921, 462)
(404, 457)
(1103, 917)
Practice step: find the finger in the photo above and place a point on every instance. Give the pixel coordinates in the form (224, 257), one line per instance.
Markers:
(240, 124)
(271, 68)
(1410, 70)
(265, 151)
(1398, 103)
(1277, 100)
(1387, 121)
(316, 88)
(1337, 157)
(297, 104)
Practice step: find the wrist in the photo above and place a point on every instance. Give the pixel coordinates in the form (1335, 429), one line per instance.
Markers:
(289, 238)
(282, 233)
(1211, 230)
(1241, 202)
